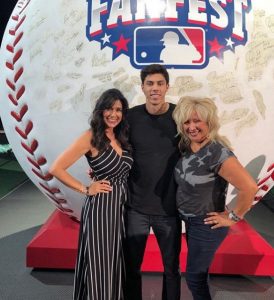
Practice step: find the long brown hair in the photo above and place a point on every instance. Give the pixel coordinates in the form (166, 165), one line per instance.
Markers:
(97, 124)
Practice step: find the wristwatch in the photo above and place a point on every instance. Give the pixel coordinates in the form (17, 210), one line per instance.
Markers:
(232, 216)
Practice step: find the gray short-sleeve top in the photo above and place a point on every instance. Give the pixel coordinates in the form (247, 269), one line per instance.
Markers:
(200, 188)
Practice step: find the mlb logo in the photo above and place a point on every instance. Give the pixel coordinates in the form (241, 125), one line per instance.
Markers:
(174, 47)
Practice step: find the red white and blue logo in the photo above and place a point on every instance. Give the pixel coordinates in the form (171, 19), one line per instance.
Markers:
(178, 34)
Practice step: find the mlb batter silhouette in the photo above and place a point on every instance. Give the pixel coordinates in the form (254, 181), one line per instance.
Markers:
(175, 53)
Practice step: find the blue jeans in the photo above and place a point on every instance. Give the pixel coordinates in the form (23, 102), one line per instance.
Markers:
(167, 231)
(202, 243)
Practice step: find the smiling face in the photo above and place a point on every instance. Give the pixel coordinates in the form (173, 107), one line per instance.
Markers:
(195, 128)
(155, 88)
(113, 115)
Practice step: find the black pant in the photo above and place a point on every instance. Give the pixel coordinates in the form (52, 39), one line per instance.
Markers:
(168, 234)
(202, 242)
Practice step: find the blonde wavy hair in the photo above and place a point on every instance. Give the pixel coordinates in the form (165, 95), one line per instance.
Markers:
(206, 110)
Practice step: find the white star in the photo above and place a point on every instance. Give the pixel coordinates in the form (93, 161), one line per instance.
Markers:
(105, 39)
(229, 43)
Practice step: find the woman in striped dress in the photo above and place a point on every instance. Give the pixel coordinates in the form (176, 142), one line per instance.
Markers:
(100, 267)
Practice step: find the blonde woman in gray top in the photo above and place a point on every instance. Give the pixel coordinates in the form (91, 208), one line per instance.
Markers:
(203, 172)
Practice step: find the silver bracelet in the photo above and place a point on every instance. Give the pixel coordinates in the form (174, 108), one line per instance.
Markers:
(85, 190)
(232, 216)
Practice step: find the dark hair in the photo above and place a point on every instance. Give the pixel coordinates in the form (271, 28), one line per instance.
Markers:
(99, 139)
(154, 69)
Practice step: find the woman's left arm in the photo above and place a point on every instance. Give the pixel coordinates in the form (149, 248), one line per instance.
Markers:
(234, 173)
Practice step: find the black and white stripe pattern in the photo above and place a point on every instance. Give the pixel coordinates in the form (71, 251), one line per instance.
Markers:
(100, 268)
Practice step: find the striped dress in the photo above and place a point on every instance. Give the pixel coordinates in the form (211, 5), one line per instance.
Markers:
(100, 267)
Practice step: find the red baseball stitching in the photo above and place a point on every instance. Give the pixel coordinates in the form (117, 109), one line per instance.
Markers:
(265, 184)
(16, 91)
(18, 115)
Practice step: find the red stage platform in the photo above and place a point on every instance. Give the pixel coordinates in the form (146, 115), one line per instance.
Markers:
(244, 251)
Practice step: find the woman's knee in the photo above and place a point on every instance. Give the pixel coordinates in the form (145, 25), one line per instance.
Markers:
(196, 280)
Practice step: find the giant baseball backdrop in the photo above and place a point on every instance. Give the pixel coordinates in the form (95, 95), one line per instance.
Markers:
(58, 56)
